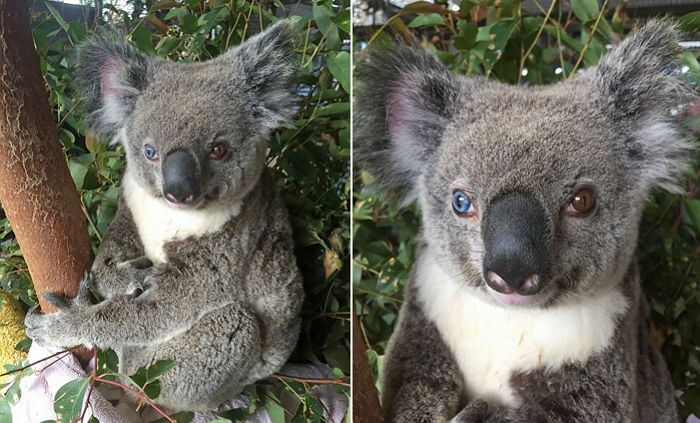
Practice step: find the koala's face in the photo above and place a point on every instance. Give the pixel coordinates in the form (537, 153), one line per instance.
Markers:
(531, 195)
(531, 206)
(195, 134)
(192, 139)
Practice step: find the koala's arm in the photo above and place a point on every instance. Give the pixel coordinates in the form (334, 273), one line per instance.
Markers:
(421, 380)
(120, 261)
(122, 320)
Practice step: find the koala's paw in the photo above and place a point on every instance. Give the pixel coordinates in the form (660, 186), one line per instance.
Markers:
(59, 301)
(139, 272)
(83, 299)
(45, 329)
(145, 290)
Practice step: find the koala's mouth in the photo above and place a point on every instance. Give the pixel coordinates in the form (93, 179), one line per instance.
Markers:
(515, 299)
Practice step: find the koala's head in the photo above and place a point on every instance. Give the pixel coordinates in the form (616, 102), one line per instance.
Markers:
(194, 134)
(533, 194)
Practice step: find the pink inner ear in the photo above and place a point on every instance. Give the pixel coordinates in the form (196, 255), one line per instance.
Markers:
(109, 77)
(398, 113)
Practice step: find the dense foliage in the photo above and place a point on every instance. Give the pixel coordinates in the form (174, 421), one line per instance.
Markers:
(495, 38)
(310, 162)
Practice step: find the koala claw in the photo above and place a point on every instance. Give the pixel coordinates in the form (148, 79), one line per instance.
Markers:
(63, 303)
(37, 324)
(143, 290)
(59, 301)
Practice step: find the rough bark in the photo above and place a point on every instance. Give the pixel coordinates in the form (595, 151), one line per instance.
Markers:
(365, 398)
(36, 189)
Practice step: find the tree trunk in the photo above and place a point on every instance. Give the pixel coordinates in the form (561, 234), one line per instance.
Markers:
(36, 189)
(365, 399)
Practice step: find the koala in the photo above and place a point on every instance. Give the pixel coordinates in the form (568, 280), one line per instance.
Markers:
(524, 304)
(198, 264)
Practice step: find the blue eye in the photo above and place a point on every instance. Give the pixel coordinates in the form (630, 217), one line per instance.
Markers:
(461, 203)
(150, 152)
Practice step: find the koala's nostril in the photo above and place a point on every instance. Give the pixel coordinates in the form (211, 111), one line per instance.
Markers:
(530, 285)
(170, 197)
(179, 199)
(497, 283)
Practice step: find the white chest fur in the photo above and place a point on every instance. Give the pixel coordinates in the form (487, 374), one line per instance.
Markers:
(490, 341)
(158, 223)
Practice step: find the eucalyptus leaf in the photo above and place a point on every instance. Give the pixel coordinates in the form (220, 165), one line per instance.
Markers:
(69, 399)
(426, 20)
(585, 10)
(339, 65)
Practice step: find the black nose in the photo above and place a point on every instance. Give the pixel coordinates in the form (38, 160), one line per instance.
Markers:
(180, 177)
(515, 234)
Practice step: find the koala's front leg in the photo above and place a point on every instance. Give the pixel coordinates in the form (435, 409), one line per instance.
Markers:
(120, 266)
(422, 382)
(123, 319)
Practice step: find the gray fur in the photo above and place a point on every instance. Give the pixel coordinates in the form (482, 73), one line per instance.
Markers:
(225, 304)
(609, 127)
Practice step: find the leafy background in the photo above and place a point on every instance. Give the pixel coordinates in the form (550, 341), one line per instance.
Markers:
(309, 162)
(495, 38)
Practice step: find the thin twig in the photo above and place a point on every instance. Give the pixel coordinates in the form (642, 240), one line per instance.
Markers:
(534, 42)
(138, 394)
(316, 381)
(588, 43)
(92, 386)
(66, 352)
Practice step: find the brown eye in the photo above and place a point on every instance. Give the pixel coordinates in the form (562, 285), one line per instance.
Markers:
(582, 203)
(218, 151)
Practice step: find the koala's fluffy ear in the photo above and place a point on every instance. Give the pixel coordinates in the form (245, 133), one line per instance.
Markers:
(267, 65)
(638, 87)
(404, 100)
(111, 75)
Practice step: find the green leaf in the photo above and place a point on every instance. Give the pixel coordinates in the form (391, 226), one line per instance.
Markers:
(40, 41)
(692, 207)
(188, 23)
(426, 20)
(68, 402)
(585, 10)
(154, 371)
(342, 20)
(166, 45)
(466, 5)
(5, 411)
(493, 39)
(178, 12)
(339, 65)
(274, 410)
(322, 14)
(565, 38)
(107, 360)
(690, 22)
(163, 5)
(604, 29)
(142, 39)
(77, 32)
(57, 16)
(334, 109)
(421, 7)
